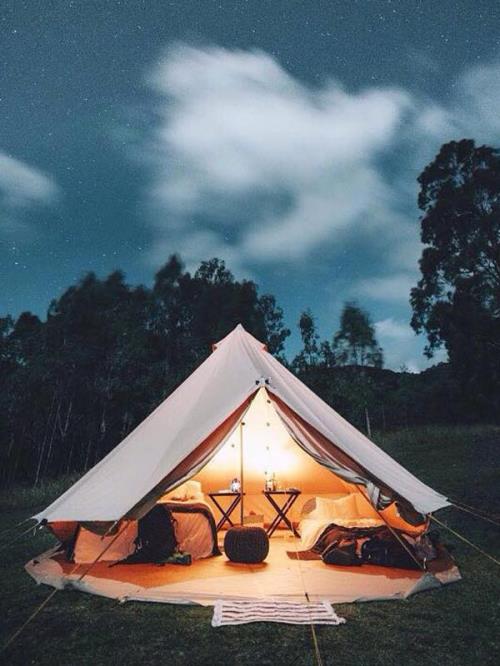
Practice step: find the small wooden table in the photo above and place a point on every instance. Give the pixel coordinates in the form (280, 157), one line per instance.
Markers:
(281, 511)
(226, 513)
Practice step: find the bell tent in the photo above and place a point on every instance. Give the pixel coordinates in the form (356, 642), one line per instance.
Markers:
(241, 415)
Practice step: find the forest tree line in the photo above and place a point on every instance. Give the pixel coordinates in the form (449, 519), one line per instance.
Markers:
(72, 386)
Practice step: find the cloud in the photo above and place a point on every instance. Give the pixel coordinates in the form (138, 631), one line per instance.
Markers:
(251, 164)
(398, 342)
(402, 347)
(471, 112)
(393, 288)
(22, 187)
(235, 127)
(393, 329)
(476, 103)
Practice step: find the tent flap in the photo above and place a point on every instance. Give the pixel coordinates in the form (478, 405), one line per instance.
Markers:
(325, 453)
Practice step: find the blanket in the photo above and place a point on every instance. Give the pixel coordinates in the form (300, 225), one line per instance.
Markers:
(333, 533)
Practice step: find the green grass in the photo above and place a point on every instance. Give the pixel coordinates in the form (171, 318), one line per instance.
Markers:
(30, 498)
(457, 624)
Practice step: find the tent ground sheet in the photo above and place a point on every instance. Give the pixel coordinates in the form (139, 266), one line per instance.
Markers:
(278, 578)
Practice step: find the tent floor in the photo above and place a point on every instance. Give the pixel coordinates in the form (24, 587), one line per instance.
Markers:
(279, 577)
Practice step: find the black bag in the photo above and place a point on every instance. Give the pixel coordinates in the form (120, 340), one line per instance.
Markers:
(387, 553)
(342, 552)
(156, 540)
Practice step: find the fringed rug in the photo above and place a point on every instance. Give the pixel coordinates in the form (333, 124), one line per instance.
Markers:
(228, 612)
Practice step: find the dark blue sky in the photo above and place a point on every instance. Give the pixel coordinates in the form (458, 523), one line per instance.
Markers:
(284, 137)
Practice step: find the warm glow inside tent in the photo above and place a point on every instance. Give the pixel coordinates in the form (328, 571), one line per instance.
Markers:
(242, 415)
(261, 443)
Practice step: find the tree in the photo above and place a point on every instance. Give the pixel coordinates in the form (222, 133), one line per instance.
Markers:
(193, 312)
(355, 342)
(272, 317)
(308, 356)
(73, 386)
(316, 355)
(457, 300)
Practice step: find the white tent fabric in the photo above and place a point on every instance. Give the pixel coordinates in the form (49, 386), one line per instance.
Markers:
(237, 368)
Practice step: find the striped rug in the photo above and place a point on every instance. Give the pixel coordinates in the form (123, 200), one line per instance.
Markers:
(228, 612)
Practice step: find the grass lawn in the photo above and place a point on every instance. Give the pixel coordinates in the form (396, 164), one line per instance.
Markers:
(458, 624)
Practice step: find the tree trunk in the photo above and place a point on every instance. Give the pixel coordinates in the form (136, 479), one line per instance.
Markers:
(368, 426)
(42, 447)
(49, 452)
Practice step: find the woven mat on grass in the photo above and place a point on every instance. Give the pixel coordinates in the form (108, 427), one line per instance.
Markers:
(228, 612)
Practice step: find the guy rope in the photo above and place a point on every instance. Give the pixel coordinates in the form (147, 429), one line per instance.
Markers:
(80, 578)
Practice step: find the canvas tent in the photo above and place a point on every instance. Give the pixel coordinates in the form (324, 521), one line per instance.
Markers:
(200, 424)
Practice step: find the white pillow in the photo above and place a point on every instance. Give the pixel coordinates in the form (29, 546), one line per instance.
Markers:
(186, 491)
(330, 509)
(318, 512)
(193, 490)
(179, 494)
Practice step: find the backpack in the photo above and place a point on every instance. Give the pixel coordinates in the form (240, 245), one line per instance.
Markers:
(341, 552)
(156, 540)
(386, 553)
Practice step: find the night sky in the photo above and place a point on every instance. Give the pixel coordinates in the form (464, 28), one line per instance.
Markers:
(283, 137)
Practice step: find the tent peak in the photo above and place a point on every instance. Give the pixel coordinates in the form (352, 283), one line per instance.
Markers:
(239, 332)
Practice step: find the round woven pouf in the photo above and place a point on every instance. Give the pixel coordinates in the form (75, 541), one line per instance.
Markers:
(249, 545)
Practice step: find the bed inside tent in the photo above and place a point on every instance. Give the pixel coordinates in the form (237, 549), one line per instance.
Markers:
(256, 447)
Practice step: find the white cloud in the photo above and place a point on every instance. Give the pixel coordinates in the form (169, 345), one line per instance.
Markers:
(284, 168)
(402, 347)
(390, 328)
(252, 164)
(477, 101)
(21, 187)
(472, 112)
(235, 125)
(398, 342)
(393, 288)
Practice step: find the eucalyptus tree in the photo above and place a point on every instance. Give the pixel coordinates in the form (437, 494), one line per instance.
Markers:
(355, 342)
(456, 302)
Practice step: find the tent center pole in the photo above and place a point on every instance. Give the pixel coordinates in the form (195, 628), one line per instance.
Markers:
(241, 473)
